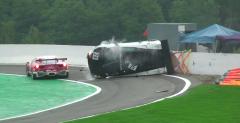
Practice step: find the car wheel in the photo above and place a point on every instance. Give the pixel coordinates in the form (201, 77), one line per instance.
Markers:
(102, 76)
(34, 76)
(67, 75)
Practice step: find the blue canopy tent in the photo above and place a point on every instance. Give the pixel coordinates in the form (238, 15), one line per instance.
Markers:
(208, 35)
(229, 38)
(229, 44)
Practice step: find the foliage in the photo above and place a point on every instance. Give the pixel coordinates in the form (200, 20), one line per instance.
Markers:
(91, 21)
(8, 32)
(34, 36)
(202, 13)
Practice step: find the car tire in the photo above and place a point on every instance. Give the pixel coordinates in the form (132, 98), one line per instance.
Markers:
(34, 76)
(102, 76)
(67, 75)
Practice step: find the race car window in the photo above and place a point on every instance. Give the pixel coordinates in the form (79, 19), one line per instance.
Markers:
(49, 61)
(111, 54)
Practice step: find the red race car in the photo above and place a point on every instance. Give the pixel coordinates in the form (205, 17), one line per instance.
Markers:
(47, 66)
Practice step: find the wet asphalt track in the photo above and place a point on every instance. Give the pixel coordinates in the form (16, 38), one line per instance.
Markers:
(117, 93)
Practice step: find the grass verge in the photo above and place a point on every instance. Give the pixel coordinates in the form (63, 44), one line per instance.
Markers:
(205, 103)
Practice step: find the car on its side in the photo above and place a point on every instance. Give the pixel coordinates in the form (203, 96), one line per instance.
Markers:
(114, 59)
(47, 66)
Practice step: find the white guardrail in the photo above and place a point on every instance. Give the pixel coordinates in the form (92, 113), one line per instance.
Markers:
(197, 63)
(21, 53)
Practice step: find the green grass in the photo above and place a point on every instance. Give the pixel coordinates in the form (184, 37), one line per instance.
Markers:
(203, 104)
(20, 95)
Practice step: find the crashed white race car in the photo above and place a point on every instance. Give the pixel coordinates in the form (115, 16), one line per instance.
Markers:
(113, 59)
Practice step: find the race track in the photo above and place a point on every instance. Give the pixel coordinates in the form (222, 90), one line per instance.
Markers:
(117, 93)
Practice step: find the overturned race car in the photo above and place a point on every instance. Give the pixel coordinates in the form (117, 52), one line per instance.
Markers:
(113, 59)
(50, 66)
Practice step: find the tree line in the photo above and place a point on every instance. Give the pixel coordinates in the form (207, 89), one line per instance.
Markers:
(88, 22)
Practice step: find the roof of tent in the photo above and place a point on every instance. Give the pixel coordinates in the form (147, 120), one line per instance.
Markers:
(208, 35)
(235, 37)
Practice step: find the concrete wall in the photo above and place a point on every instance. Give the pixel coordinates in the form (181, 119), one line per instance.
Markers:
(211, 63)
(197, 63)
(20, 54)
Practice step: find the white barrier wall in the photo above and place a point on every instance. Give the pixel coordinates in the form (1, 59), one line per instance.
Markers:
(197, 63)
(20, 54)
(212, 63)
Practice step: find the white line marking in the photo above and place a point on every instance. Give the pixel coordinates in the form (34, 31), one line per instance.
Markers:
(12, 74)
(93, 94)
(187, 85)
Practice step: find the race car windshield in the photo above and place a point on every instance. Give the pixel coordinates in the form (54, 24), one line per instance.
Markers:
(52, 61)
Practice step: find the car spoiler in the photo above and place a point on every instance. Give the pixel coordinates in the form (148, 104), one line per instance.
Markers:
(45, 59)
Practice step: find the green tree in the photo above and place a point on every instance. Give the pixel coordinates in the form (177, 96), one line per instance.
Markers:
(130, 17)
(27, 13)
(91, 21)
(138, 14)
(166, 7)
(202, 13)
(7, 32)
(34, 36)
(229, 13)
(64, 19)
